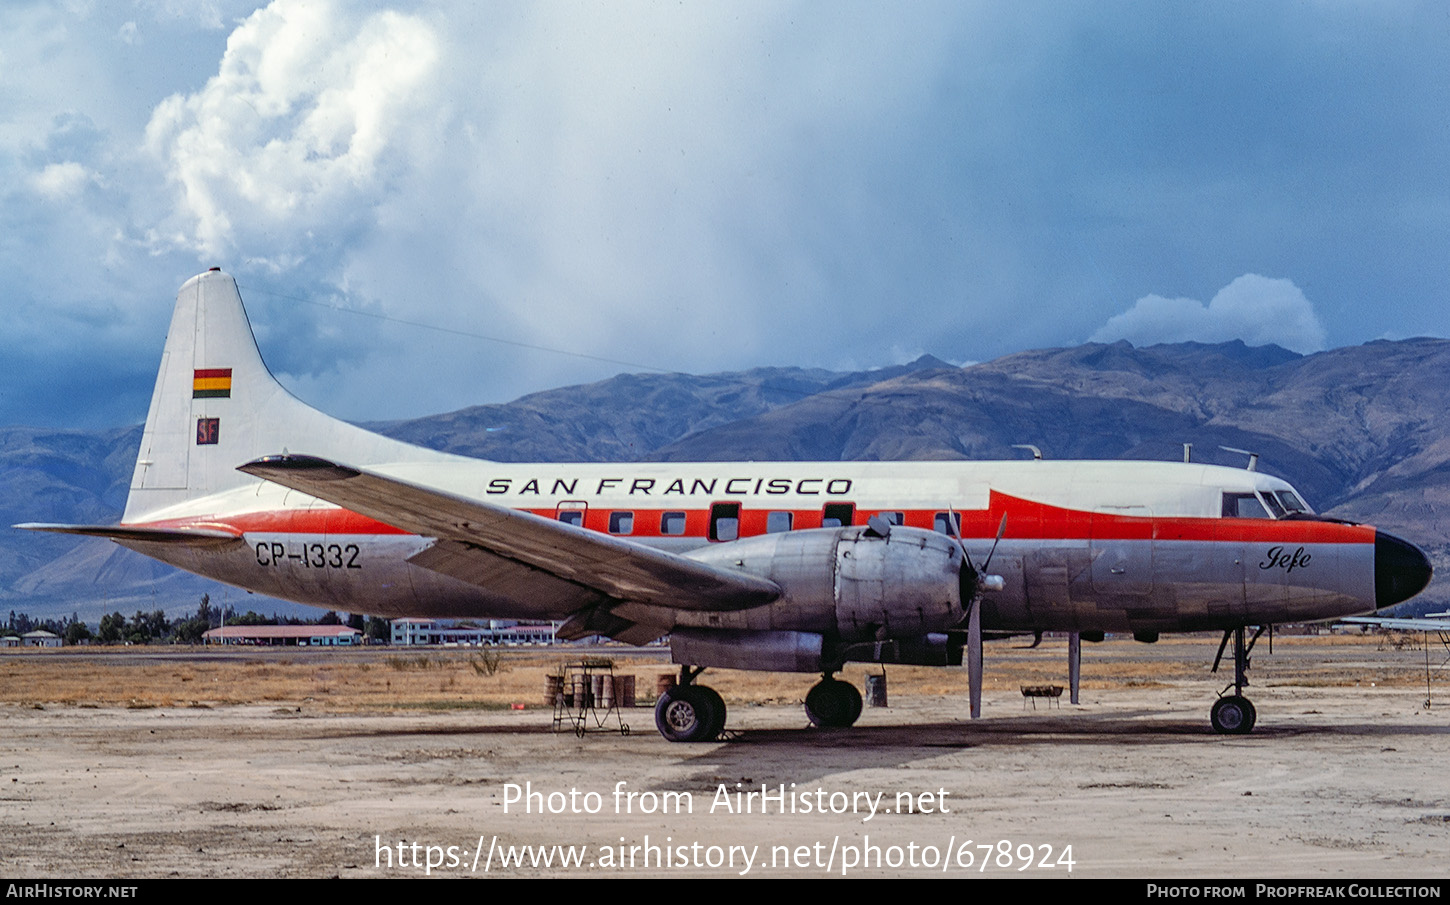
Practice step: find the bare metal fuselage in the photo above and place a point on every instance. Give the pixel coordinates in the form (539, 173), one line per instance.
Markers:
(1108, 562)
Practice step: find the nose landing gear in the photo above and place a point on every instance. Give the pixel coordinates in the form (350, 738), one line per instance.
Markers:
(1234, 714)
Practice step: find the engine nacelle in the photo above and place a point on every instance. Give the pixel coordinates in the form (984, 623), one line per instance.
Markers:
(847, 584)
(805, 651)
(770, 651)
(936, 649)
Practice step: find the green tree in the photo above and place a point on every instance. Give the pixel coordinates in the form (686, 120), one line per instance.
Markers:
(380, 630)
(250, 618)
(193, 629)
(113, 628)
(148, 627)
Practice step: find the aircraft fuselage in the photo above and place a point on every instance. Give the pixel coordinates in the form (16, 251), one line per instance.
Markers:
(1139, 548)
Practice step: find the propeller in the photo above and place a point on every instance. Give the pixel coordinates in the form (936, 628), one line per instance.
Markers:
(981, 581)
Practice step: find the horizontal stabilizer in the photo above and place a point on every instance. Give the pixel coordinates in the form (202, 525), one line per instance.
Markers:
(200, 536)
(621, 569)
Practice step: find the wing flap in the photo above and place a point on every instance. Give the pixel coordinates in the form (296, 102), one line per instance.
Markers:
(611, 566)
(507, 577)
(600, 621)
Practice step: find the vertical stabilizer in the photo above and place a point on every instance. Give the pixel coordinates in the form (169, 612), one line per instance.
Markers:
(217, 406)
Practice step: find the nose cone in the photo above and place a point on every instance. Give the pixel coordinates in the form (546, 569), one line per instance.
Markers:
(1401, 570)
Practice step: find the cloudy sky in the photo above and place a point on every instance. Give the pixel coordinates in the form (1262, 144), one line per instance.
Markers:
(702, 187)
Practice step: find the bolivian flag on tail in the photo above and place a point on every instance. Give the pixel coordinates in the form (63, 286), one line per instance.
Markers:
(211, 383)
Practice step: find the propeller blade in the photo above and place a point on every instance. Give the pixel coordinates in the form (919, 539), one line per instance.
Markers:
(956, 524)
(1001, 530)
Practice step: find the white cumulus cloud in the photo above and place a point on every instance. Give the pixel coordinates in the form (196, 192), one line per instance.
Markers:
(1256, 309)
(59, 181)
(293, 131)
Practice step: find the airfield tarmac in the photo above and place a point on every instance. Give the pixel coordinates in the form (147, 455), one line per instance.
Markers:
(1346, 776)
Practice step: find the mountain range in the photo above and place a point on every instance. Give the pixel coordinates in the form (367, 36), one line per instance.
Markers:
(1361, 432)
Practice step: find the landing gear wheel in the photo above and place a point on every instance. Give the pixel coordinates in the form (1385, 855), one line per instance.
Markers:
(833, 704)
(717, 706)
(1233, 715)
(690, 713)
(855, 704)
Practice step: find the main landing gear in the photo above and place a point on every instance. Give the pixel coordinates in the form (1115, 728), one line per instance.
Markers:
(696, 713)
(690, 712)
(1234, 714)
(833, 704)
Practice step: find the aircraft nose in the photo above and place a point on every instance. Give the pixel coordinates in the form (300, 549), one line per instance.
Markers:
(1401, 570)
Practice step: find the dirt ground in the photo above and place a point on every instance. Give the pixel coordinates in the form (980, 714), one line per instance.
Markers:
(159, 763)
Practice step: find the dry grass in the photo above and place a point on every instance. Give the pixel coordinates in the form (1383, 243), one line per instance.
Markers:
(384, 679)
(335, 680)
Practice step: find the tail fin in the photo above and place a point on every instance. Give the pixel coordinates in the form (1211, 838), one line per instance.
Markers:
(216, 406)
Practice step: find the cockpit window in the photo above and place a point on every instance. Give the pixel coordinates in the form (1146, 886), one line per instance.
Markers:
(1291, 501)
(1273, 503)
(1243, 505)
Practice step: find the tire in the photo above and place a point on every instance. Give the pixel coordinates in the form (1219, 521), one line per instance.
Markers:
(833, 704)
(717, 705)
(687, 713)
(856, 703)
(1233, 715)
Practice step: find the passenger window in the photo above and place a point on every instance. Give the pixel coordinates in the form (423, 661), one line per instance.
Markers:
(949, 524)
(621, 523)
(837, 515)
(1243, 505)
(672, 523)
(572, 516)
(778, 522)
(895, 518)
(724, 521)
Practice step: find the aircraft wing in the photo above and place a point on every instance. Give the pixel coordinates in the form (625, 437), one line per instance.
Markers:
(519, 552)
(1407, 624)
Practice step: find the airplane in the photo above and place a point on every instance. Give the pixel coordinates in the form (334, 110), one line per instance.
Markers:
(781, 566)
(1438, 623)
(1431, 622)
